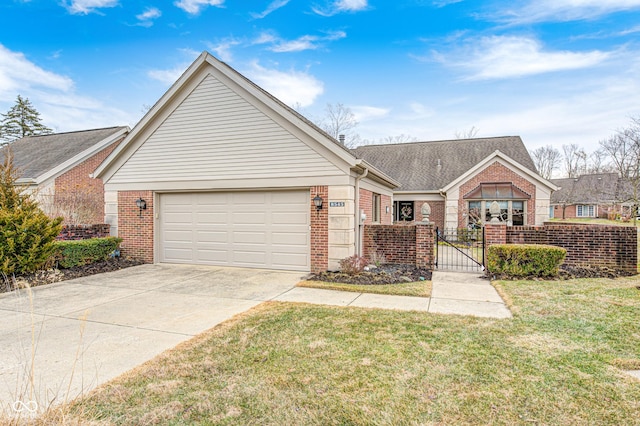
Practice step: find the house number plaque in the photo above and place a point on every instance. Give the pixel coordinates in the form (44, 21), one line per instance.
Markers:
(336, 203)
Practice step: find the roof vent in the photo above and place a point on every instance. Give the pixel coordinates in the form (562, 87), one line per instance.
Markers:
(341, 139)
(439, 165)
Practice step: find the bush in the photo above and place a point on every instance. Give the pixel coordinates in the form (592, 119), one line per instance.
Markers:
(27, 234)
(82, 252)
(525, 260)
(353, 265)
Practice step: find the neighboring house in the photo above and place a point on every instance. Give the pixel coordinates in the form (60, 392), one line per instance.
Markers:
(220, 172)
(460, 178)
(590, 196)
(56, 167)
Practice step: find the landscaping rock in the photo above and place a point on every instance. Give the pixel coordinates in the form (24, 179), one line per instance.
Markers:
(384, 274)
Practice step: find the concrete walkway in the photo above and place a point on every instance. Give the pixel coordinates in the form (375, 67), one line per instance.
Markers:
(459, 293)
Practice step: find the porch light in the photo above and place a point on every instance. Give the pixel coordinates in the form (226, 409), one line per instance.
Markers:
(142, 205)
(317, 201)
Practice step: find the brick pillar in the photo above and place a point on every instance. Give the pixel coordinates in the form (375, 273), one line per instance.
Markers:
(319, 230)
(494, 233)
(135, 227)
(424, 245)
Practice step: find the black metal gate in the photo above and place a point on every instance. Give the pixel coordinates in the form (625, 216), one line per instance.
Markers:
(460, 249)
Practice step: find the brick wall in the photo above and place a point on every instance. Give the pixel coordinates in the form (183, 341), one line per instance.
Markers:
(411, 244)
(135, 230)
(614, 247)
(84, 232)
(319, 230)
(437, 212)
(366, 204)
(496, 172)
(79, 198)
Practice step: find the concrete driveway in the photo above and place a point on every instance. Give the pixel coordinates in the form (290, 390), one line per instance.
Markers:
(92, 329)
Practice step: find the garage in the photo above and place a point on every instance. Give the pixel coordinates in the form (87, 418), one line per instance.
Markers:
(259, 229)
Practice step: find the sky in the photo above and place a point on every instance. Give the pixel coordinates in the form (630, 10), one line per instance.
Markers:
(554, 72)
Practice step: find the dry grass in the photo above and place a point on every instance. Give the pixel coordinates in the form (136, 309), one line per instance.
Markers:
(418, 288)
(556, 362)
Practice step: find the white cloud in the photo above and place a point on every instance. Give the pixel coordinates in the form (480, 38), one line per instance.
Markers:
(222, 49)
(168, 76)
(365, 113)
(273, 6)
(193, 7)
(85, 7)
(500, 57)
(53, 95)
(18, 74)
(305, 42)
(340, 6)
(292, 88)
(562, 10)
(145, 19)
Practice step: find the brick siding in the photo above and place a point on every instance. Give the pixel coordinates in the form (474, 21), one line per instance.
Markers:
(497, 172)
(410, 244)
(366, 204)
(136, 230)
(84, 232)
(319, 230)
(78, 194)
(614, 247)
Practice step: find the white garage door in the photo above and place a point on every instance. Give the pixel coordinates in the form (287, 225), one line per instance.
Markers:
(249, 229)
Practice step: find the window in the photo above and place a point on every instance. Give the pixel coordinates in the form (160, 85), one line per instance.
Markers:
(403, 211)
(585, 211)
(512, 212)
(375, 216)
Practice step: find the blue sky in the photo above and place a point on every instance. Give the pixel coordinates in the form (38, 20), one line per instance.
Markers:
(552, 71)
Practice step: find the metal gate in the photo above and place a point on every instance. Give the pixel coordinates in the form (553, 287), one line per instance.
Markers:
(460, 249)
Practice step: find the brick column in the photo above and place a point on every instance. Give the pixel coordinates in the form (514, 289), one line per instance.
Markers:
(319, 230)
(494, 233)
(135, 227)
(424, 245)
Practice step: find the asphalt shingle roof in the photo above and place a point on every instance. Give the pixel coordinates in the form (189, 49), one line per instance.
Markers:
(36, 155)
(415, 164)
(588, 189)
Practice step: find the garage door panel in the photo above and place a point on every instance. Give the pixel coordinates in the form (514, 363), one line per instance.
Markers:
(253, 229)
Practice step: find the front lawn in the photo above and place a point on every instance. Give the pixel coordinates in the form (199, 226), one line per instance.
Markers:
(559, 361)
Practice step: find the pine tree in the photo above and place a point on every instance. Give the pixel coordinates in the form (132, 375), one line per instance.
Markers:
(20, 121)
(27, 234)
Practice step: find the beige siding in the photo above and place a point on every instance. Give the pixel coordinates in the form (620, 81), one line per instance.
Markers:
(215, 134)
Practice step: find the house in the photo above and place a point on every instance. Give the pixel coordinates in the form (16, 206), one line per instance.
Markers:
(220, 172)
(56, 167)
(459, 179)
(603, 195)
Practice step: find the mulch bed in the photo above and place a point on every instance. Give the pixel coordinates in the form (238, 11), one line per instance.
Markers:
(572, 272)
(384, 274)
(56, 275)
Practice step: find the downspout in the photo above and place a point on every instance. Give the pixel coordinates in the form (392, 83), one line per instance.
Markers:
(357, 212)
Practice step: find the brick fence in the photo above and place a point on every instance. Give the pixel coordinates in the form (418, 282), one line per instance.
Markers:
(587, 245)
(405, 244)
(84, 232)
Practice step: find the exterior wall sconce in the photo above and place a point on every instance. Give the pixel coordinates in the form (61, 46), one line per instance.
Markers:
(317, 201)
(142, 205)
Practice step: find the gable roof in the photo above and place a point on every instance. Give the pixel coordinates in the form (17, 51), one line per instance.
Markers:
(206, 63)
(589, 189)
(431, 166)
(38, 158)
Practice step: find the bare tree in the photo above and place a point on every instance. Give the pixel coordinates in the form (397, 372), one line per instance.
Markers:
(599, 162)
(547, 159)
(623, 149)
(401, 138)
(575, 160)
(467, 134)
(339, 120)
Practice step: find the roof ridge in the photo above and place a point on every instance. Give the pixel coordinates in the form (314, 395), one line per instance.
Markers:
(437, 141)
(77, 131)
